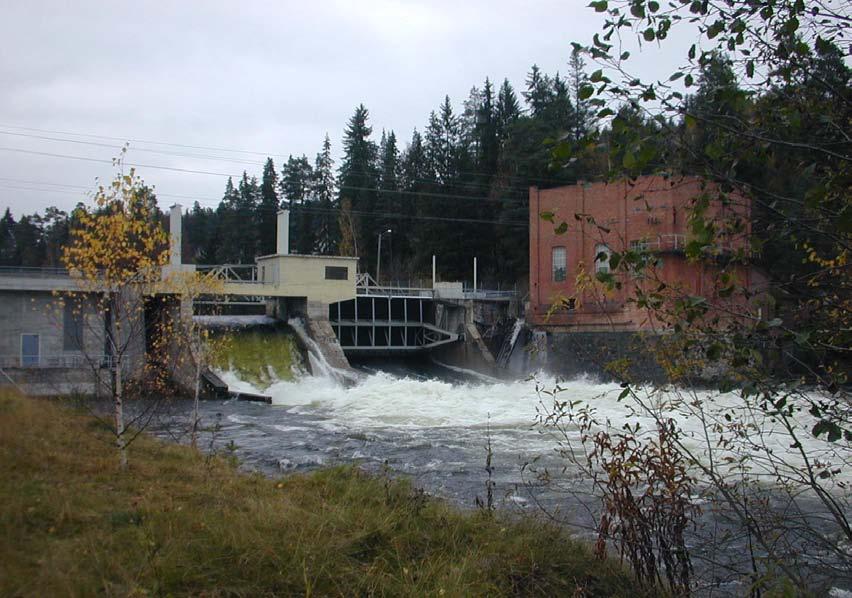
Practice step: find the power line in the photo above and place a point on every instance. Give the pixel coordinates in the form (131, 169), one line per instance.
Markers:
(124, 139)
(255, 163)
(137, 149)
(302, 208)
(232, 175)
(527, 179)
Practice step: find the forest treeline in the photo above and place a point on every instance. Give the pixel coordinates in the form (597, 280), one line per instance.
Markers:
(459, 188)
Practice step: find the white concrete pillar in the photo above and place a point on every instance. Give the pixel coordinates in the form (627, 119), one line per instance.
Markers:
(282, 246)
(175, 235)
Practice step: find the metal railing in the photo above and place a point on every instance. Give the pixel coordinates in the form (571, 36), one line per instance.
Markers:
(239, 273)
(55, 361)
(32, 272)
(367, 285)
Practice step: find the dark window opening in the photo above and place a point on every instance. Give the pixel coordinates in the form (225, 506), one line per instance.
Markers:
(72, 327)
(336, 273)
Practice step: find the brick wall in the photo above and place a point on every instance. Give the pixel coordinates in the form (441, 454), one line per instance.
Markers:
(652, 210)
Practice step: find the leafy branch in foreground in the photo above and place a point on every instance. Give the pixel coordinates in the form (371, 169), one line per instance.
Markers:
(760, 109)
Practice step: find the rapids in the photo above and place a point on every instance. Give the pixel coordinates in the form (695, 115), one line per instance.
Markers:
(432, 421)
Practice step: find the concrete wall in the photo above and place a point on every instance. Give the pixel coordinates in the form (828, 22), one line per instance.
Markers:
(654, 209)
(39, 312)
(61, 370)
(303, 276)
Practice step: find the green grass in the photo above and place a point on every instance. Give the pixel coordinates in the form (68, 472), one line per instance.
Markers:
(177, 523)
(260, 356)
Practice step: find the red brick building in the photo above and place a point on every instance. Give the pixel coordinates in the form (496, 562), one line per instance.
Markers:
(652, 212)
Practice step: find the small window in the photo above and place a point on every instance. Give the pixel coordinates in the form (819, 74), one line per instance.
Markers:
(72, 327)
(639, 245)
(559, 261)
(336, 273)
(602, 253)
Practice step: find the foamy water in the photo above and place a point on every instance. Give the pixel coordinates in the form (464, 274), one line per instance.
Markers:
(384, 401)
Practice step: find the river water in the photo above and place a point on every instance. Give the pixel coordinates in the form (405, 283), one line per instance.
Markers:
(432, 422)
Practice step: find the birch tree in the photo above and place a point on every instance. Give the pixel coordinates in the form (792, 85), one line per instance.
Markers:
(115, 254)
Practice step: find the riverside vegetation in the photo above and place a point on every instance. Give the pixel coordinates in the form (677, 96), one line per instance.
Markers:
(179, 522)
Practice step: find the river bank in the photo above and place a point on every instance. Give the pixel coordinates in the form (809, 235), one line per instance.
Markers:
(179, 522)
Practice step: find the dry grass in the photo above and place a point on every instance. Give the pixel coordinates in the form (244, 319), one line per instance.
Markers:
(177, 524)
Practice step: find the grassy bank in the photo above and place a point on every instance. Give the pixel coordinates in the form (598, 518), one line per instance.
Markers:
(177, 523)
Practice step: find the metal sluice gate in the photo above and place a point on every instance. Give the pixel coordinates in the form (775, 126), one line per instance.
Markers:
(388, 323)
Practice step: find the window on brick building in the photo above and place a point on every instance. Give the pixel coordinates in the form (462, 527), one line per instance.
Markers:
(559, 260)
(639, 245)
(602, 253)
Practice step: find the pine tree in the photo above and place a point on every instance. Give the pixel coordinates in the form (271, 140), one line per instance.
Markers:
(268, 209)
(323, 193)
(55, 233)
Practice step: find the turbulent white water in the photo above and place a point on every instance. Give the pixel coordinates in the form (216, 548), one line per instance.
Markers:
(385, 401)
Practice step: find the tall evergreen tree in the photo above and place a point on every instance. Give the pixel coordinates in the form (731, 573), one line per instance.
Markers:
(389, 201)
(577, 77)
(297, 179)
(268, 209)
(358, 180)
(228, 251)
(248, 201)
(539, 93)
(28, 242)
(508, 110)
(323, 193)
(8, 251)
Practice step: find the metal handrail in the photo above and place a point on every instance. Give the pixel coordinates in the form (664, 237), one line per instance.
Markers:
(55, 361)
(232, 273)
(33, 271)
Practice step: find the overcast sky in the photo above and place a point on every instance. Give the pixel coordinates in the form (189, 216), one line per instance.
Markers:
(267, 77)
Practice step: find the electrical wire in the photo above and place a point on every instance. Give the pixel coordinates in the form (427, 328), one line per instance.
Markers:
(266, 154)
(300, 208)
(444, 196)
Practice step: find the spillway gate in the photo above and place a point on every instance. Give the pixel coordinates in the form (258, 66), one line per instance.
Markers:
(390, 323)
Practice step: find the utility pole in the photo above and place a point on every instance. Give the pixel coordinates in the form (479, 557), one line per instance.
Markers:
(434, 271)
(474, 275)
(379, 257)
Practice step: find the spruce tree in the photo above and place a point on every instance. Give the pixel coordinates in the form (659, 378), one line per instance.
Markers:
(268, 209)
(417, 176)
(228, 251)
(297, 178)
(247, 203)
(358, 181)
(508, 110)
(539, 93)
(389, 203)
(577, 78)
(29, 243)
(7, 239)
(323, 193)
